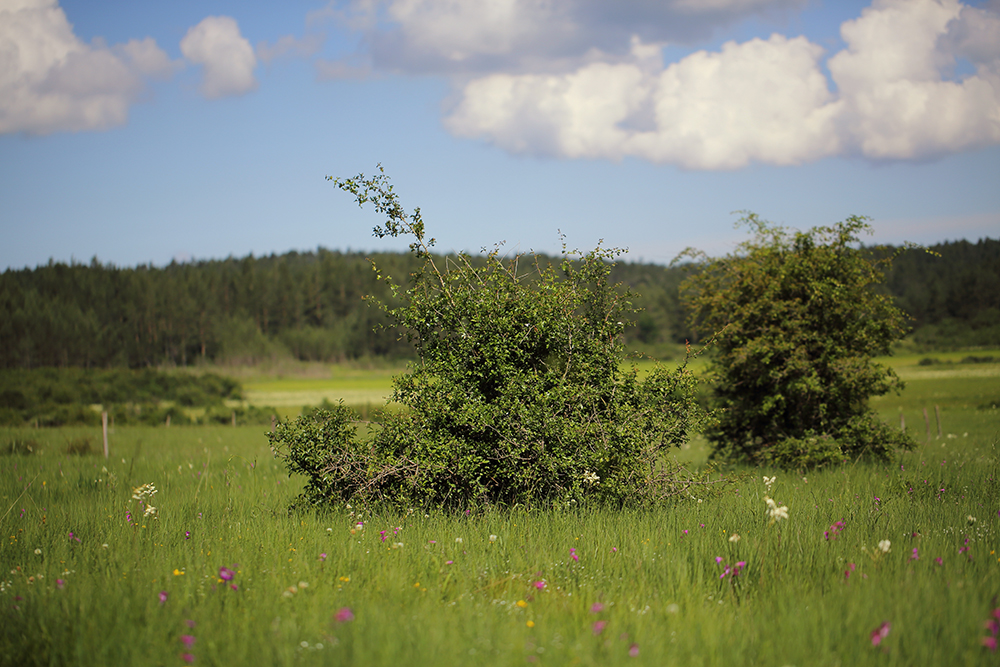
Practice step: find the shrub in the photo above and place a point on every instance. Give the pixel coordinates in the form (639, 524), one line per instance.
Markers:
(799, 320)
(518, 395)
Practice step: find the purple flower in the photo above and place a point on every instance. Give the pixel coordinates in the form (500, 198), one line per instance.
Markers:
(188, 640)
(939, 561)
(187, 657)
(187, 534)
(880, 633)
(60, 583)
(540, 584)
(598, 627)
(990, 643)
(163, 597)
(225, 574)
(322, 557)
(596, 608)
(633, 650)
(343, 615)
(572, 554)
(915, 555)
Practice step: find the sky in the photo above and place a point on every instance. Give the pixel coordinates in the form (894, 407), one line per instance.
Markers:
(142, 132)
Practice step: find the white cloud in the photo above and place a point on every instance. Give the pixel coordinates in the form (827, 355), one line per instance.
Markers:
(763, 100)
(50, 81)
(488, 36)
(226, 56)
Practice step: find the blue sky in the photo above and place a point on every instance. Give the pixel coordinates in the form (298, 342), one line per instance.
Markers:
(142, 132)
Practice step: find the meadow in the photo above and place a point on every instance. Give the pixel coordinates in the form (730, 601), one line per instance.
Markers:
(893, 564)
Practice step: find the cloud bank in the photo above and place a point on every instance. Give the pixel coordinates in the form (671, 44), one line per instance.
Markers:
(586, 78)
(51, 81)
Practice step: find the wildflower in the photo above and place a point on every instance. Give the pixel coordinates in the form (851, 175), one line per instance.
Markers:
(834, 530)
(303, 584)
(522, 604)
(590, 478)
(187, 534)
(225, 574)
(915, 555)
(163, 597)
(847, 572)
(493, 538)
(530, 624)
(177, 572)
(774, 511)
(768, 481)
(633, 651)
(458, 540)
(38, 552)
(596, 608)
(60, 583)
(939, 561)
(189, 623)
(990, 643)
(572, 554)
(884, 546)
(397, 545)
(449, 562)
(322, 557)
(144, 491)
(344, 615)
(150, 511)
(598, 627)
(187, 657)
(970, 519)
(188, 640)
(735, 537)
(540, 584)
(880, 633)
(382, 535)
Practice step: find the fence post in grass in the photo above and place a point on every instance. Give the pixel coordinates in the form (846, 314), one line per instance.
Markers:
(272, 423)
(927, 423)
(104, 427)
(234, 418)
(937, 418)
(168, 421)
(902, 422)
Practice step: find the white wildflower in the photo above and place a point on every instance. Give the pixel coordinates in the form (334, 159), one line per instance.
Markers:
(493, 538)
(884, 546)
(458, 540)
(38, 552)
(150, 511)
(774, 511)
(768, 481)
(590, 478)
(735, 537)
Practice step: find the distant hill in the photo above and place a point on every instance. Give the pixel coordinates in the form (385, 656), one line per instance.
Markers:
(310, 306)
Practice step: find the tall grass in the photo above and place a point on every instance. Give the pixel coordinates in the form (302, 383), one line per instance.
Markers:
(84, 571)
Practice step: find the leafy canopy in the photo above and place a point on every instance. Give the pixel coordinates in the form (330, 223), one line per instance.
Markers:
(518, 395)
(799, 320)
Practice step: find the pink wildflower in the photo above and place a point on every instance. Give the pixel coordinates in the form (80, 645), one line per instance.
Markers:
(915, 555)
(880, 633)
(990, 643)
(60, 583)
(596, 608)
(226, 574)
(540, 584)
(572, 554)
(599, 627)
(939, 561)
(188, 640)
(187, 657)
(163, 597)
(633, 650)
(343, 615)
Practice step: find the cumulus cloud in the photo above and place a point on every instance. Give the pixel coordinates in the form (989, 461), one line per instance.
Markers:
(289, 46)
(50, 81)
(763, 101)
(455, 36)
(227, 58)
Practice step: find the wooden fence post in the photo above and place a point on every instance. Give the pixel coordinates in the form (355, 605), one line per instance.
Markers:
(234, 418)
(902, 422)
(104, 427)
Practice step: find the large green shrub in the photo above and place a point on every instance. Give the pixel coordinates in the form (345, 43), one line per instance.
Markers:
(799, 320)
(518, 394)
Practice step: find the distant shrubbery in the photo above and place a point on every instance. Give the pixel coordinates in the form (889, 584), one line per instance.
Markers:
(63, 396)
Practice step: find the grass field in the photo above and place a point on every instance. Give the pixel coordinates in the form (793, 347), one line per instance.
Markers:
(88, 578)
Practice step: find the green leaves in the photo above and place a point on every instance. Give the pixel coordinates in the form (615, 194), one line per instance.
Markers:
(799, 320)
(518, 395)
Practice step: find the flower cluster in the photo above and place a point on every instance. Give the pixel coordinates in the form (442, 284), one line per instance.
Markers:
(993, 626)
(731, 571)
(777, 513)
(880, 633)
(590, 478)
(833, 531)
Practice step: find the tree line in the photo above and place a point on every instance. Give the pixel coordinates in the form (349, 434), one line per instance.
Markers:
(312, 306)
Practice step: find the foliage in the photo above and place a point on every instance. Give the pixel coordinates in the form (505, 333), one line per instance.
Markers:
(518, 395)
(799, 321)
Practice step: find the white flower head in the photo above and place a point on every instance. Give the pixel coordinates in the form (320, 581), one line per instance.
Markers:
(591, 478)
(493, 538)
(150, 511)
(458, 540)
(735, 537)
(769, 481)
(774, 511)
(884, 546)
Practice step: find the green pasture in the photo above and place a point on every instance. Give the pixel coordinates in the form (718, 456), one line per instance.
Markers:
(88, 578)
